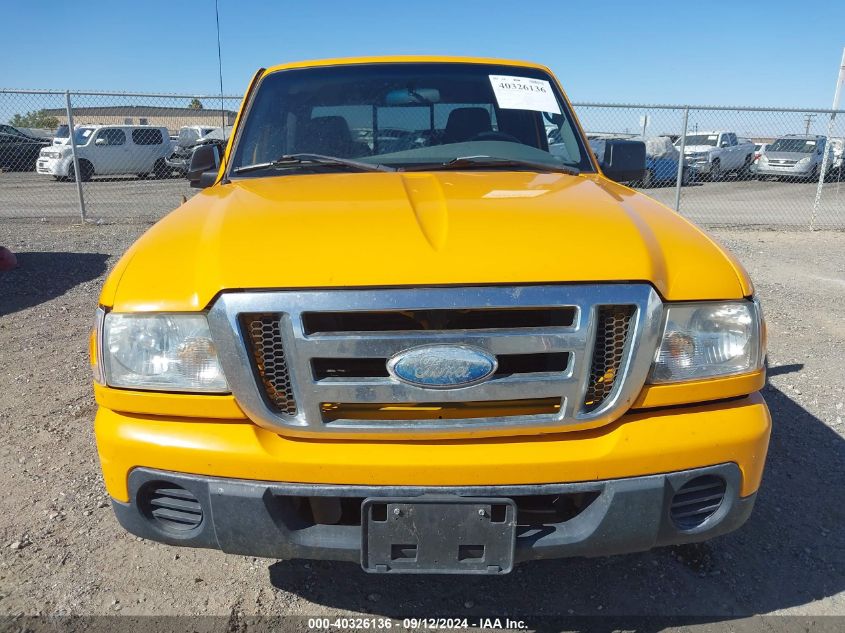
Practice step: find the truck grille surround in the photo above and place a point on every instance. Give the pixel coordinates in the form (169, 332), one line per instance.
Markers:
(314, 363)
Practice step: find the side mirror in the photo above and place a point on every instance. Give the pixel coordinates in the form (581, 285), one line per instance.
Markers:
(623, 161)
(101, 141)
(205, 163)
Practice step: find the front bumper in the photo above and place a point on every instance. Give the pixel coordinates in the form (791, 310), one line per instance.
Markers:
(52, 166)
(791, 172)
(177, 163)
(247, 479)
(699, 165)
(258, 518)
(643, 442)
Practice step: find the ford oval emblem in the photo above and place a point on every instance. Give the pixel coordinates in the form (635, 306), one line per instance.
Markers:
(442, 366)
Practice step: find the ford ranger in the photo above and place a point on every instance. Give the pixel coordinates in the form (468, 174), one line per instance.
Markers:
(439, 350)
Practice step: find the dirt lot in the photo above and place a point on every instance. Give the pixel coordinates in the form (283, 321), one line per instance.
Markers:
(62, 552)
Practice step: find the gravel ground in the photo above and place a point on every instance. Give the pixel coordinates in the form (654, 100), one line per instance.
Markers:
(62, 551)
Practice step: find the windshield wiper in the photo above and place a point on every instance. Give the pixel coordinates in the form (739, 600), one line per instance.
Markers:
(293, 160)
(493, 161)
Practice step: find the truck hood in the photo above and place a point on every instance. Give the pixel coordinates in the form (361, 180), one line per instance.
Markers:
(416, 229)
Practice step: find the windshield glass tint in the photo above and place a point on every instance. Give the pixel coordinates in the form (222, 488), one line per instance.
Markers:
(800, 145)
(82, 135)
(702, 139)
(411, 114)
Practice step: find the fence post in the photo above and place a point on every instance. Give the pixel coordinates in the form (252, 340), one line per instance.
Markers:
(76, 172)
(680, 177)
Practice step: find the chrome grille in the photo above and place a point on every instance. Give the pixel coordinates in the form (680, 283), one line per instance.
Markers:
(313, 362)
(612, 328)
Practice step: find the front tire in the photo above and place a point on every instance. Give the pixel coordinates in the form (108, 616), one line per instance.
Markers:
(86, 171)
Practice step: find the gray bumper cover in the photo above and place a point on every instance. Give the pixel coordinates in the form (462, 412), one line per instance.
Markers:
(256, 518)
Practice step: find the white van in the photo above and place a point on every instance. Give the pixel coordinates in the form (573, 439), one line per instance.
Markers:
(107, 150)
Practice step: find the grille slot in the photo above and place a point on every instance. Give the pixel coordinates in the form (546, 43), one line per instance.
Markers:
(171, 507)
(416, 320)
(612, 326)
(323, 368)
(696, 501)
(533, 511)
(265, 342)
(391, 412)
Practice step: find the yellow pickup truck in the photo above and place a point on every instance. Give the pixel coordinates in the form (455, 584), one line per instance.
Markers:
(412, 321)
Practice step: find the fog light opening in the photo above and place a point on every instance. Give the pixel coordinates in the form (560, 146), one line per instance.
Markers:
(170, 507)
(696, 501)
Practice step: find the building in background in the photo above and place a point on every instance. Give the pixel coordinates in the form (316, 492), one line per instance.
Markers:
(158, 116)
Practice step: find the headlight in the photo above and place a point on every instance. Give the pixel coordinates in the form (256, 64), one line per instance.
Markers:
(706, 340)
(165, 352)
(804, 161)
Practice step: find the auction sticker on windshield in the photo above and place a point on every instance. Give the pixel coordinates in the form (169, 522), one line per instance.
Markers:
(524, 93)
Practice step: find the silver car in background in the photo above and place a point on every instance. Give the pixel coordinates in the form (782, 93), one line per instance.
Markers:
(794, 157)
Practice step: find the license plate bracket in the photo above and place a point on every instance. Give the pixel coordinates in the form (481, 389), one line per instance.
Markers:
(438, 535)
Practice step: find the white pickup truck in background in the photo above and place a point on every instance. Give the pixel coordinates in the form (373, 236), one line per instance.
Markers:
(715, 154)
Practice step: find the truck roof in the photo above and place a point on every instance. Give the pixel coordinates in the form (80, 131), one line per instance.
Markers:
(386, 59)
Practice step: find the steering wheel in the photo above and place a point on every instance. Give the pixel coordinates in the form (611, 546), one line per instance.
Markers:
(492, 135)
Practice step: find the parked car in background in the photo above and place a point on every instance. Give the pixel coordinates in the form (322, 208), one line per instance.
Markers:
(180, 159)
(795, 157)
(19, 148)
(106, 150)
(715, 154)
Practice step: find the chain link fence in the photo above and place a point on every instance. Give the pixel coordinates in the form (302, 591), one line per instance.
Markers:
(122, 157)
(125, 160)
(742, 166)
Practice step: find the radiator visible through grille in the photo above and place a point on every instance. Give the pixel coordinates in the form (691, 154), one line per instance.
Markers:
(611, 336)
(265, 342)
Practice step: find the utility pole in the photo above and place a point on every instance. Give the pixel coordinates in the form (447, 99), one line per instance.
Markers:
(808, 120)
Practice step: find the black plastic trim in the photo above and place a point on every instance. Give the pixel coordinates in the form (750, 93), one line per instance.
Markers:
(258, 518)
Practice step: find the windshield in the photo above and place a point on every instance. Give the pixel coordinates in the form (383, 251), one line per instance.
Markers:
(82, 135)
(410, 115)
(798, 145)
(701, 139)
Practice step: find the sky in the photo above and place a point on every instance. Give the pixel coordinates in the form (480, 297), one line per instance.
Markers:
(738, 52)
